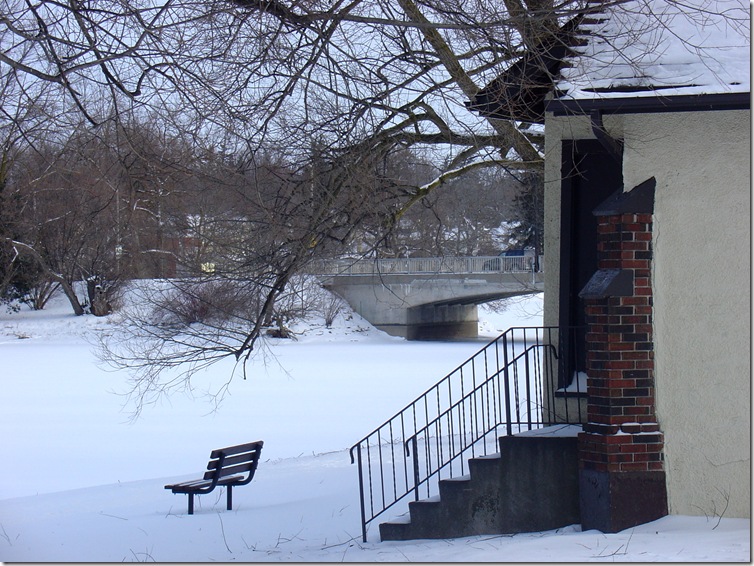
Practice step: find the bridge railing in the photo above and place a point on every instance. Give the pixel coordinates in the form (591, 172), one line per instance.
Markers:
(429, 265)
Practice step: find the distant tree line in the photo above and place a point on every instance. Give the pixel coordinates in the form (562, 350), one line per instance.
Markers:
(132, 201)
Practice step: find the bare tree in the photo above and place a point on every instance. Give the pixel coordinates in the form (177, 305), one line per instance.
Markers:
(462, 217)
(332, 90)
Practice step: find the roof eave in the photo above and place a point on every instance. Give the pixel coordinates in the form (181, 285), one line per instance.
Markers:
(651, 104)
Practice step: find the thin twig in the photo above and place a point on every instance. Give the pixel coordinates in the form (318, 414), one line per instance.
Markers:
(726, 496)
(113, 516)
(222, 529)
(5, 535)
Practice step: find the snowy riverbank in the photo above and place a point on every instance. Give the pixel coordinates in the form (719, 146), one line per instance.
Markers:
(84, 483)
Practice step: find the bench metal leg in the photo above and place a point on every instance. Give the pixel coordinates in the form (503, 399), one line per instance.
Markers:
(191, 504)
(230, 498)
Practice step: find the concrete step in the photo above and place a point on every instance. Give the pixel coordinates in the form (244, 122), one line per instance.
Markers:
(531, 485)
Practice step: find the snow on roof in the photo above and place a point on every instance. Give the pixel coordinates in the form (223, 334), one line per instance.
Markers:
(661, 47)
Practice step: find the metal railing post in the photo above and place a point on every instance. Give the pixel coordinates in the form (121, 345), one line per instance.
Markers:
(529, 404)
(361, 492)
(415, 462)
(506, 387)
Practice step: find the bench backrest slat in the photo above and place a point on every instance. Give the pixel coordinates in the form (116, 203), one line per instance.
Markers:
(232, 461)
(235, 460)
(231, 450)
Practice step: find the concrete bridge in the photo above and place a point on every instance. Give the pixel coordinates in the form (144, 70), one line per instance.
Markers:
(429, 298)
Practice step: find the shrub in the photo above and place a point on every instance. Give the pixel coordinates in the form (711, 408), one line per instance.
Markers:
(207, 302)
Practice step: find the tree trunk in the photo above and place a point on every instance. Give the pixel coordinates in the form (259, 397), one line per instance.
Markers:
(57, 277)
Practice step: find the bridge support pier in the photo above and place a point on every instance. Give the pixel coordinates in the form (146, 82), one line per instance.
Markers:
(442, 322)
(427, 322)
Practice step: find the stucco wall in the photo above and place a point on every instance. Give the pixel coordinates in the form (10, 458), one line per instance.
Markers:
(701, 280)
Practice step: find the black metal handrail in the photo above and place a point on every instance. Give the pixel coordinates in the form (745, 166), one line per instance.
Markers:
(458, 444)
(508, 386)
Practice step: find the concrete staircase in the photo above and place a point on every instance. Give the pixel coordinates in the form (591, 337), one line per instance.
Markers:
(531, 485)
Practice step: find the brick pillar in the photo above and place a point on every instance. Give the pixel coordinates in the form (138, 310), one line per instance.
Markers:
(621, 470)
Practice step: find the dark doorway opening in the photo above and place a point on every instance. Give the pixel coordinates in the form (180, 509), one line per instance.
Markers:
(589, 175)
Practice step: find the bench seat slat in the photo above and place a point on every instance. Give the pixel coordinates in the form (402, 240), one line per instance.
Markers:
(193, 483)
(187, 486)
(200, 484)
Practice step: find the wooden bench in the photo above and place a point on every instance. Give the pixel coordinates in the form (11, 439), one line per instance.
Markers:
(227, 467)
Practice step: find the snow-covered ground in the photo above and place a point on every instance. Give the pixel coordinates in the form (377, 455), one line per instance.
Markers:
(82, 482)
